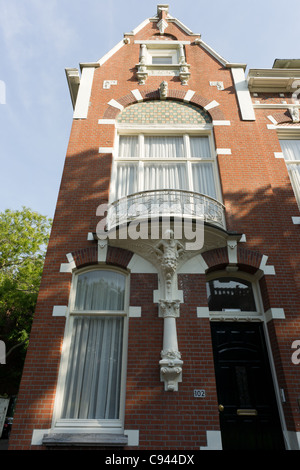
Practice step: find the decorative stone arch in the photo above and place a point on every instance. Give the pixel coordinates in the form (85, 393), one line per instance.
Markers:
(247, 260)
(136, 96)
(111, 256)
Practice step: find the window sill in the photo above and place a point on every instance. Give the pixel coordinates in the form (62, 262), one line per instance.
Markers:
(85, 439)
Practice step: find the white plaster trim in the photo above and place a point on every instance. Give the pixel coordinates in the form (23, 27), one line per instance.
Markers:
(266, 269)
(90, 237)
(68, 267)
(102, 251)
(106, 149)
(139, 27)
(107, 121)
(161, 42)
(271, 127)
(218, 84)
(178, 294)
(70, 257)
(135, 312)
(133, 436)
(212, 51)
(115, 104)
(193, 265)
(84, 93)
(293, 439)
(276, 313)
(188, 96)
(243, 238)
(223, 151)
(136, 93)
(37, 436)
(278, 155)
(232, 251)
(111, 52)
(211, 105)
(272, 119)
(243, 94)
(214, 441)
(59, 311)
(296, 220)
(137, 264)
(221, 123)
(202, 312)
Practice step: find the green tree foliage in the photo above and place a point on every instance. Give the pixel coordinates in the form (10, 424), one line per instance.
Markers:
(24, 237)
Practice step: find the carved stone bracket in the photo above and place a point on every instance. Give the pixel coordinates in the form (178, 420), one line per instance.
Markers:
(168, 252)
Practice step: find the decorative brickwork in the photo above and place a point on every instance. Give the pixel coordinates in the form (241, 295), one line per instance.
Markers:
(163, 112)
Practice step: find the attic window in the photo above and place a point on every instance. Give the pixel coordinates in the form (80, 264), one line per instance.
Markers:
(157, 60)
(162, 58)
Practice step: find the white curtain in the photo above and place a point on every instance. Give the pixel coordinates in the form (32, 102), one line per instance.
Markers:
(92, 389)
(128, 146)
(126, 180)
(291, 152)
(200, 147)
(203, 179)
(100, 290)
(290, 149)
(132, 177)
(164, 176)
(164, 147)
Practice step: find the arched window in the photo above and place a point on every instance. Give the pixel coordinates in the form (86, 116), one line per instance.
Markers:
(230, 294)
(164, 145)
(93, 369)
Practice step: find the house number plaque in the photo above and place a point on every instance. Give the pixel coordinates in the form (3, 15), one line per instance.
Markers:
(199, 393)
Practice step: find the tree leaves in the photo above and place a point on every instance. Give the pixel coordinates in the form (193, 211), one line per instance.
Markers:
(24, 236)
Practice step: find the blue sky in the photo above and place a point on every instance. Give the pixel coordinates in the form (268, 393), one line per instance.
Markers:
(39, 39)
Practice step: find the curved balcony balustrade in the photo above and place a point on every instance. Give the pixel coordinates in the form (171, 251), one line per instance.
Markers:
(166, 203)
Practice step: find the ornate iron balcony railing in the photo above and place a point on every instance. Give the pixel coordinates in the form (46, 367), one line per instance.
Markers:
(166, 203)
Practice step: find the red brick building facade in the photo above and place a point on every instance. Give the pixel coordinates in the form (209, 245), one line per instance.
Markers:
(154, 342)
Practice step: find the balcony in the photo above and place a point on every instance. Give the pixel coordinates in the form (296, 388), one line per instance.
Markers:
(176, 204)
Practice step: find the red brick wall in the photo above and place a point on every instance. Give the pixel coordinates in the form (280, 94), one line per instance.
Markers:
(259, 202)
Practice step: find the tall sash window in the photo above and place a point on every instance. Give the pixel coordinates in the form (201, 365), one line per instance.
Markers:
(291, 153)
(93, 380)
(146, 162)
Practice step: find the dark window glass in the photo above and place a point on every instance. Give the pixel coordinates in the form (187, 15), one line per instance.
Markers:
(230, 294)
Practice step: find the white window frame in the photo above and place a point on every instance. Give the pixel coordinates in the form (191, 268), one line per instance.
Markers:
(170, 48)
(291, 134)
(186, 133)
(115, 426)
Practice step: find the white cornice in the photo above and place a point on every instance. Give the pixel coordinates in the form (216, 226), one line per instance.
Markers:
(272, 80)
(209, 49)
(73, 80)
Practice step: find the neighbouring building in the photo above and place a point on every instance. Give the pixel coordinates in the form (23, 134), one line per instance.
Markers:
(168, 315)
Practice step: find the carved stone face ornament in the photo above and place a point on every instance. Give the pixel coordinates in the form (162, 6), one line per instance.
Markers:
(163, 90)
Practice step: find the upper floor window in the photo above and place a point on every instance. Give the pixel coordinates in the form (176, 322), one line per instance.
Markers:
(149, 162)
(291, 152)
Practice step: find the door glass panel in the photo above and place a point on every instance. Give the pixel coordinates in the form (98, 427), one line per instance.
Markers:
(230, 294)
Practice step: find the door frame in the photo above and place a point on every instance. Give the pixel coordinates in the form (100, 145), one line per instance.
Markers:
(258, 316)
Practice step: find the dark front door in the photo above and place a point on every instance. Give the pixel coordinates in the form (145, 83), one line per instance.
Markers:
(248, 410)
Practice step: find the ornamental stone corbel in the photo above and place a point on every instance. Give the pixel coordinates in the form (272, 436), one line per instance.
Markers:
(168, 252)
(184, 73)
(294, 112)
